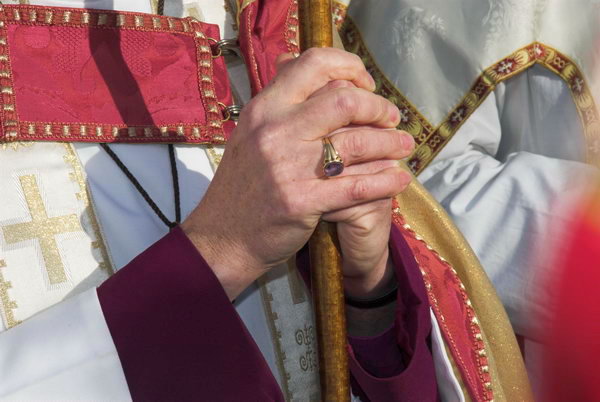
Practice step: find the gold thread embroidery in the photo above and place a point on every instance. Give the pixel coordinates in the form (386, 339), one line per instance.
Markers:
(339, 11)
(477, 342)
(196, 132)
(86, 197)
(267, 298)
(213, 157)
(102, 19)
(8, 305)
(430, 141)
(43, 229)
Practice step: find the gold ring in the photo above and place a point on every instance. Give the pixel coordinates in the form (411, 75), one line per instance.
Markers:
(333, 164)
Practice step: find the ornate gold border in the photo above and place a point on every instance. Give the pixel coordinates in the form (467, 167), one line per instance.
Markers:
(16, 130)
(478, 346)
(84, 195)
(7, 304)
(431, 140)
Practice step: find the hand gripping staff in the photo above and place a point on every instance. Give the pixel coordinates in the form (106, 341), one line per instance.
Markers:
(326, 263)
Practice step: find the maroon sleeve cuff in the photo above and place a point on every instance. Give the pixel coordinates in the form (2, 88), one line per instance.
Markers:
(398, 364)
(379, 355)
(177, 334)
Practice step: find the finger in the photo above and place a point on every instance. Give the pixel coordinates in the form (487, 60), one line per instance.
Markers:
(339, 108)
(368, 167)
(347, 191)
(331, 86)
(301, 77)
(352, 214)
(361, 145)
(282, 60)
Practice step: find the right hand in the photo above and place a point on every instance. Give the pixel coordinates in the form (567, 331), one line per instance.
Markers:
(269, 192)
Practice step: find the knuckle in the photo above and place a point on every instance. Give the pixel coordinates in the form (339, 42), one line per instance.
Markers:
(253, 112)
(356, 146)
(314, 57)
(345, 102)
(268, 133)
(355, 59)
(359, 190)
(289, 204)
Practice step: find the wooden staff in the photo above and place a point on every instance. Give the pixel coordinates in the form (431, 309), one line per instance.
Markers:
(326, 275)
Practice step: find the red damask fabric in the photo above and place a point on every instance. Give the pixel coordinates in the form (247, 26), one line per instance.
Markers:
(104, 76)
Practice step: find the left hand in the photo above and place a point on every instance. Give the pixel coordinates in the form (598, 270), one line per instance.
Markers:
(364, 230)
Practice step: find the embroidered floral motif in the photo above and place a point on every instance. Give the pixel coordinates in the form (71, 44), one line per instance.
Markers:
(431, 140)
(410, 28)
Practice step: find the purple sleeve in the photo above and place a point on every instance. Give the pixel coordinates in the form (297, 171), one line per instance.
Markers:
(177, 334)
(398, 364)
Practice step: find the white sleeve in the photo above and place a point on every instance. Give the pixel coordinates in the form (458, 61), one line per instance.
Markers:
(504, 199)
(63, 353)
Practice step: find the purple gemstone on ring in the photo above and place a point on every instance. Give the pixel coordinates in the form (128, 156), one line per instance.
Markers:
(333, 168)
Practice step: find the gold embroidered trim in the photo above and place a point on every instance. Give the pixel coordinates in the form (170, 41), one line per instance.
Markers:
(292, 29)
(8, 305)
(475, 329)
(430, 141)
(211, 132)
(85, 196)
(43, 229)
(267, 299)
(339, 10)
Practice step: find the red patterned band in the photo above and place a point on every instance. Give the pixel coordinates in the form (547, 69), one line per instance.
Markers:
(81, 75)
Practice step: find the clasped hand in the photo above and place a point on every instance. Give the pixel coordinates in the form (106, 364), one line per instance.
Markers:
(269, 191)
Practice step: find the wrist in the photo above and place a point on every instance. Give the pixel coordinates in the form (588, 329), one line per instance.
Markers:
(379, 281)
(233, 267)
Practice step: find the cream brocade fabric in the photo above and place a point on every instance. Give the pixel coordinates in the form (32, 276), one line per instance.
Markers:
(51, 245)
(441, 60)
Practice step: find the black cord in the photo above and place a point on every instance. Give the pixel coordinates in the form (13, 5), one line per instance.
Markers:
(175, 176)
(160, 8)
(143, 192)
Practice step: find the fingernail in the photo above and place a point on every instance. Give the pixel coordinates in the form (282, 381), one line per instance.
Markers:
(394, 115)
(373, 83)
(408, 142)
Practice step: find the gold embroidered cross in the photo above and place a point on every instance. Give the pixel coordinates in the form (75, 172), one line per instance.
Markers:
(42, 228)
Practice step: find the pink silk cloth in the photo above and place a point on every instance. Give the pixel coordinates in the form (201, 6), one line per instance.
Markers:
(105, 76)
